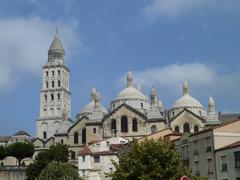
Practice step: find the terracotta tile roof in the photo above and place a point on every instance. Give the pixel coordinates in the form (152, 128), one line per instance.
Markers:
(116, 147)
(85, 151)
(233, 145)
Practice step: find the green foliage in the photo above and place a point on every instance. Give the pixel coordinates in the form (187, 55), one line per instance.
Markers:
(2, 152)
(20, 150)
(150, 160)
(58, 153)
(60, 171)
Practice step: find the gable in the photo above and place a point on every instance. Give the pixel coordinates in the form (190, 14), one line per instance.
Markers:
(187, 116)
(78, 124)
(125, 110)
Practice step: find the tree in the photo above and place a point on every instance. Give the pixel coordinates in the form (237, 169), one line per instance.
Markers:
(59, 170)
(2, 152)
(58, 153)
(150, 160)
(20, 150)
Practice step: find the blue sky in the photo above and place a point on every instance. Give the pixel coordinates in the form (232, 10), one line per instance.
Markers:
(162, 41)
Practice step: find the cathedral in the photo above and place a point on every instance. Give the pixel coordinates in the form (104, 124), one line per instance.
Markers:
(132, 114)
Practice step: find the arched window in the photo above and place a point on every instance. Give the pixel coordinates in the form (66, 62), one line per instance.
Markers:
(186, 128)
(94, 130)
(53, 84)
(176, 129)
(124, 124)
(46, 84)
(52, 73)
(142, 105)
(59, 83)
(61, 141)
(196, 128)
(113, 124)
(52, 97)
(75, 138)
(45, 97)
(134, 125)
(58, 72)
(58, 96)
(47, 73)
(153, 129)
(84, 140)
(44, 134)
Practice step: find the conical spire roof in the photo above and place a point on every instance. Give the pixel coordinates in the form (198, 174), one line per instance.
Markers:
(56, 44)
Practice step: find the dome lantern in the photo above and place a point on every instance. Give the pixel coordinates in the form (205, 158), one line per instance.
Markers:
(211, 105)
(129, 79)
(185, 87)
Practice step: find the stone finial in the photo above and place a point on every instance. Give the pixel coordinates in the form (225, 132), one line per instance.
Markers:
(185, 87)
(93, 93)
(211, 104)
(97, 99)
(154, 98)
(129, 79)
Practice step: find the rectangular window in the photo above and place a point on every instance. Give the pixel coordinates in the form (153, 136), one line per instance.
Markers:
(209, 164)
(208, 144)
(83, 158)
(195, 147)
(94, 130)
(224, 163)
(96, 159)
(237, 159)
(196, 164)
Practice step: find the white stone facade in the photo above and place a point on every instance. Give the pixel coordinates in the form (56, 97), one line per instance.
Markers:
(55, 96)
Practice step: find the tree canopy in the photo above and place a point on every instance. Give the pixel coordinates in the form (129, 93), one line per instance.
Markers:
(59, 170)
(2, 152)
(20, 150)
(150, 160)
(57, 152)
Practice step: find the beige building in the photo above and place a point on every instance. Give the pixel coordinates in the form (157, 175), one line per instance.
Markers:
(95, 159)
(198, 149)
(228, 162)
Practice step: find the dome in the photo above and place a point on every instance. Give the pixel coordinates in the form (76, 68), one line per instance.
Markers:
(131, 96)
(90, 107)
(187, 101)
(130, 93)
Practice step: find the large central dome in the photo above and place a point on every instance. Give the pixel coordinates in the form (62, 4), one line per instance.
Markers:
(130, 92)
(131, 96)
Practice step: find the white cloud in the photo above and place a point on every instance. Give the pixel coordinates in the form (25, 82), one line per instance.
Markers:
(24, 45)
(175, 8)
(204, 80)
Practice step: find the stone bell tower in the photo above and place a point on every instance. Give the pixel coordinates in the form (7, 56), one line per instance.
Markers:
(55, 96)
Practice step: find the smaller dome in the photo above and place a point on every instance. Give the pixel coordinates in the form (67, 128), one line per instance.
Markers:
(91, 106)
(187, 101)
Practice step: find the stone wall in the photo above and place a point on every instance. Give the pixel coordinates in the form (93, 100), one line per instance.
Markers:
(12, 173)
